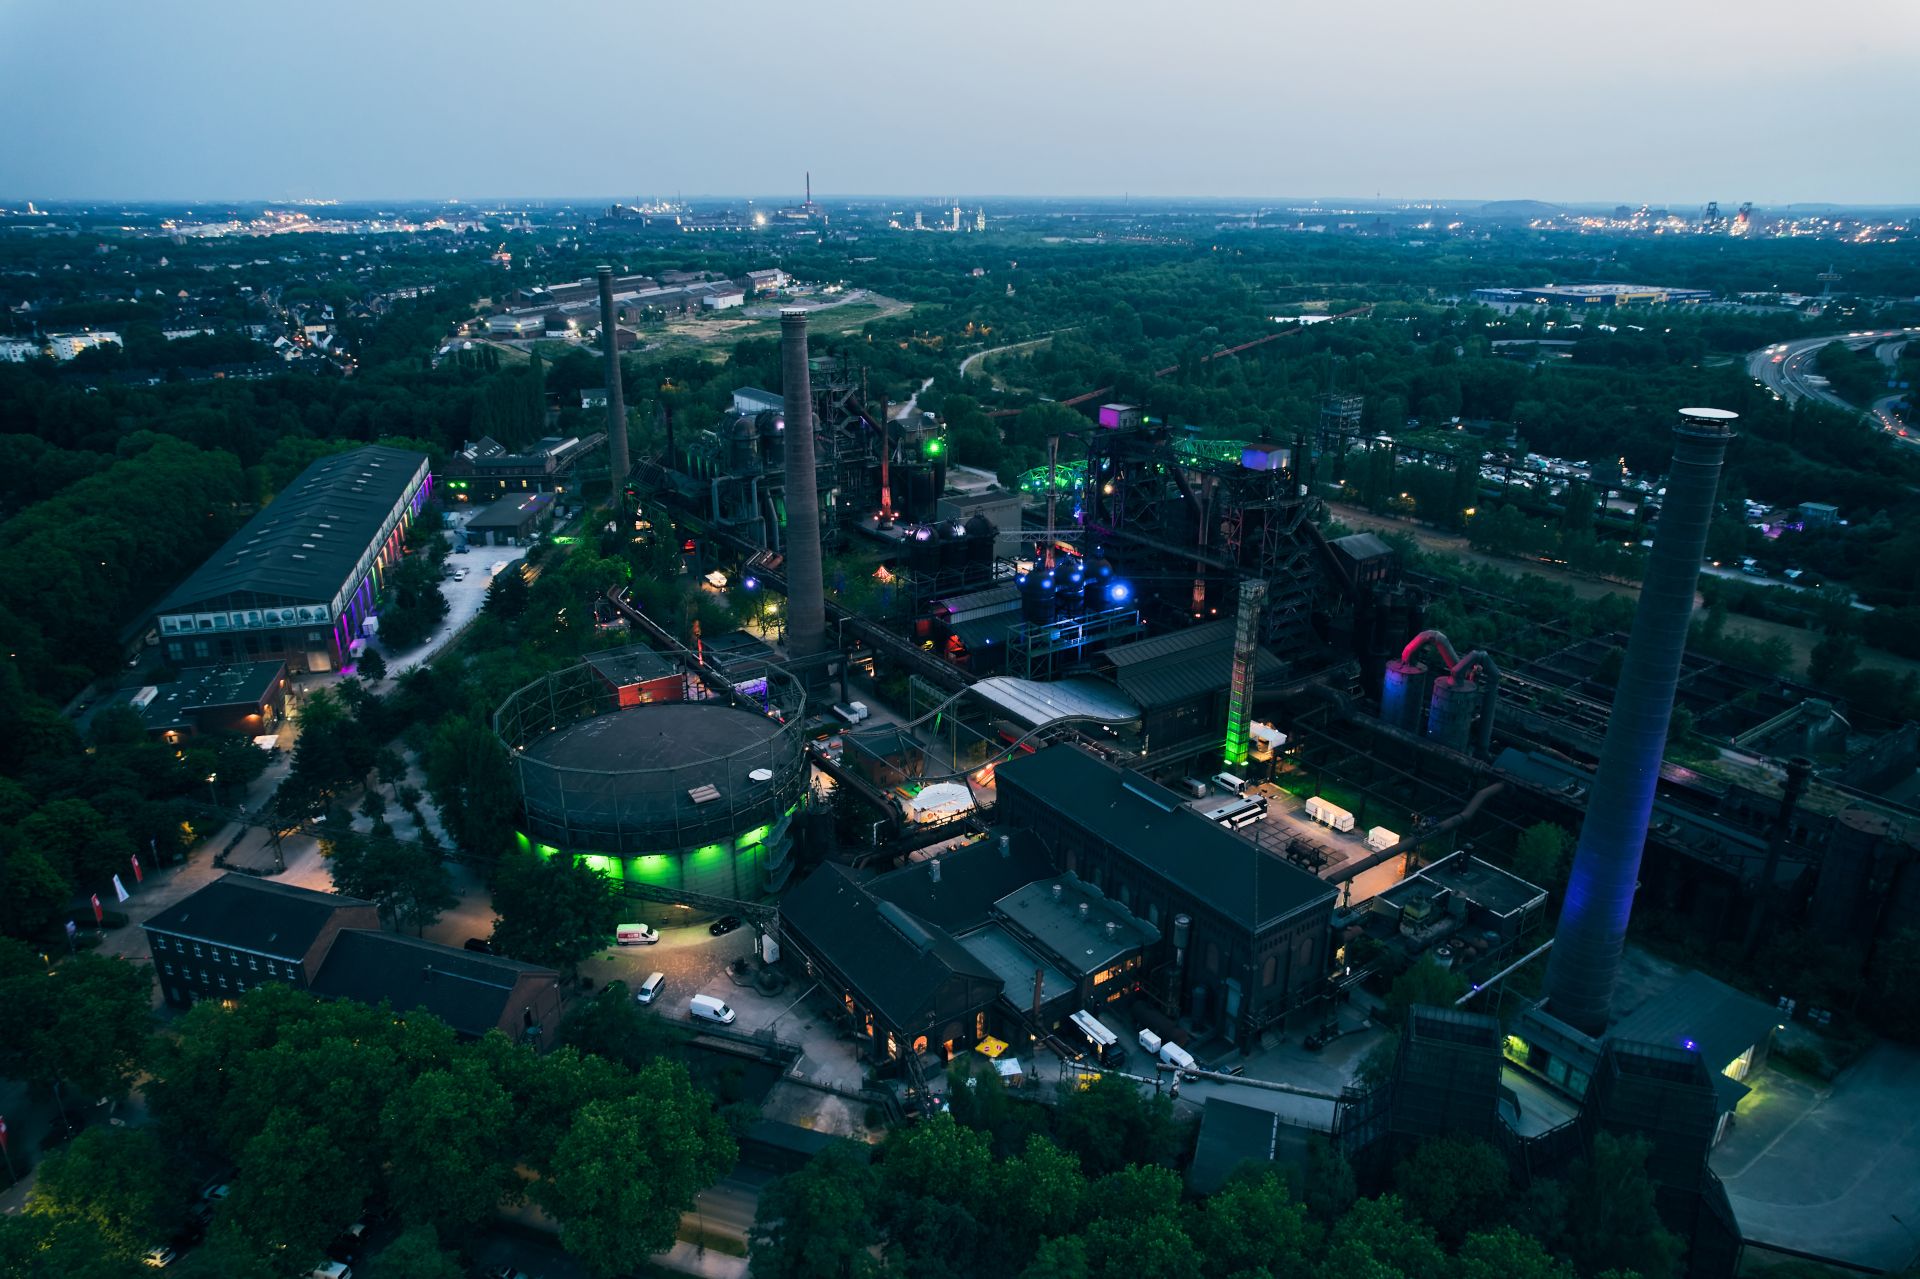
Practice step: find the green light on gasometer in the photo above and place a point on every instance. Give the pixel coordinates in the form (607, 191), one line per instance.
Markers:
(934, 447)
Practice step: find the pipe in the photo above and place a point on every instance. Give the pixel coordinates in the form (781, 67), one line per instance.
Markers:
(1407, 845)
(1799, 773)
(806, 588)
(616, 393)
(1592, 933)
(1521, 962)
(1459, 668)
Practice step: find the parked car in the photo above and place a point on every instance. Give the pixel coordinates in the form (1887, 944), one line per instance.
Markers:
(479, 945)
(635, 935)
(709, 1008)
(724, 925)
(650, 988)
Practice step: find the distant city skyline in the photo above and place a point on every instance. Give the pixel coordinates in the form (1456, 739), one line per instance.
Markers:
(1770, 102)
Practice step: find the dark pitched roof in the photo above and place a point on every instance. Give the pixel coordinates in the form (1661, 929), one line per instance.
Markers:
(1361, 547)
(468, 991)
(511, 513)
(634, 665)
(204, 688)
(1230, 1134)
(1173, 668)
(310, 538)
(1152, 827)
(1700, 1014)
(972, 879)
(253, 914)
(893, 961)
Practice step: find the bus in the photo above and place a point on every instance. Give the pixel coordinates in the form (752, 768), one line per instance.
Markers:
(1105, 1044)
(1238, 813)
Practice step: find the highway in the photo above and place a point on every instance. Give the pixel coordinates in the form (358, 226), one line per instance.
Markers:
(1791, 371)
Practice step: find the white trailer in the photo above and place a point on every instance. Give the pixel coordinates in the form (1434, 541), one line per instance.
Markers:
(1329, 813)
(1380, 837)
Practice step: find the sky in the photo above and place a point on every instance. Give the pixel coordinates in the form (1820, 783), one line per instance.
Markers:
(1675, 102)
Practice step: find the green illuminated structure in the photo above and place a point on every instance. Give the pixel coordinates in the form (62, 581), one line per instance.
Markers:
(686, 801)
(1246, 634)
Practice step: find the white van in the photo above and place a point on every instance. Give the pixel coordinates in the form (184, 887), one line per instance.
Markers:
(707, 1008)
(1229, 783)
(650, 988)
(635, 935)
(331, 1270)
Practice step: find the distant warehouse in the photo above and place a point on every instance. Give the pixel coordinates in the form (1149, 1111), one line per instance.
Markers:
(1586, 295)
(299, 580)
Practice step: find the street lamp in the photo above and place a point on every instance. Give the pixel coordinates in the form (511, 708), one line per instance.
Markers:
(211, 791)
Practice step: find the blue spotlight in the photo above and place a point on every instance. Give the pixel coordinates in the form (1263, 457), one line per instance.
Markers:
(1119, 592)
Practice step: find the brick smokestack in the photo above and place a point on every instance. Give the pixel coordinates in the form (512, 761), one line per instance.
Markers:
(616, 394)
(806, 593)
(1592, 934)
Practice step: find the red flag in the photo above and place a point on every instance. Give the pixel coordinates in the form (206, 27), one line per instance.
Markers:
(139, 876)
(3, 1132)
(99, 916)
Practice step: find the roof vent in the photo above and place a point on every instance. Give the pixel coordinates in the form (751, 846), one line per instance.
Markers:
(933, 870)
(1084, 910)
(1006, 846)
(1058, 892)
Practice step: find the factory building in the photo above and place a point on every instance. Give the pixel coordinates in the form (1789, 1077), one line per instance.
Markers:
(1581, 296)
(487, 469)
(1244, 933)
(300, 580)
(249, 698)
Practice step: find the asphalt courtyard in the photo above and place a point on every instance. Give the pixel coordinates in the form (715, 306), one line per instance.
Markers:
(1834, 1169)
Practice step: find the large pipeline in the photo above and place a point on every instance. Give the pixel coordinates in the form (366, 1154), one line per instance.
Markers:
(1461, 668)
(1407, 845)
(806, 589)
(1592, 934)
(616, 394)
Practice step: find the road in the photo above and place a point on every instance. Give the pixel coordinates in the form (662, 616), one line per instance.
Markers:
(977, 356)
(906, 411)
(1790, 370)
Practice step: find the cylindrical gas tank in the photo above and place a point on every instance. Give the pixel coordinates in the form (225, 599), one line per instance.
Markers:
(1073, 594)
(1450, 713)
(1403, 695)
(1840, 893)
(1036, 598)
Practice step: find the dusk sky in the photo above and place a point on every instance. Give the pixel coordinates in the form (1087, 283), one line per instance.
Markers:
(1679, 101)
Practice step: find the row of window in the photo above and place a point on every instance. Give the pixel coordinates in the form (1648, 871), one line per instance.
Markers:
(254, 645)
(218, 956)
(217, 979)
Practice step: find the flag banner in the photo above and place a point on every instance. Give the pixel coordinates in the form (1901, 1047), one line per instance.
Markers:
(139, 876)
(120, 889)
(99, 915)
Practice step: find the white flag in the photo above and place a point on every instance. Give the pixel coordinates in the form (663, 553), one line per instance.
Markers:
(120, 889)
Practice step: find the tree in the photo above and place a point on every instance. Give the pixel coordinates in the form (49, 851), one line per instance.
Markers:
(1833, 658)
(629, 1166)
(406, 879)
(1111, 1124)
(77, 840)
(1505, 1253)
(334, 752)
(1328, 1188)
(1895, 984)
(1611, 1223)
(1426, 982)
(80, 1024)
(416, 1254)
(1540, 855)
(372, 666)
(817, 1223)
(32, 892)
(413, 603)
(611, 1025)
(473, 785)
(1453, 1184)
(298, 1187)
(120, 1180)
(1378, 1233)
(507, 594)
(1253, 1224)
(447, 1130)
(554, 911)
(1039, 1195)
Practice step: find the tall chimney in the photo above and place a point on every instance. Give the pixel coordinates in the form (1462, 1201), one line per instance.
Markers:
(616, 395)
(1593, 919)
(806, 593)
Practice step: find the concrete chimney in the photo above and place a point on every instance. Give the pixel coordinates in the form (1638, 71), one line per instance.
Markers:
(616, 394)
(806, 592)
(1606, 865)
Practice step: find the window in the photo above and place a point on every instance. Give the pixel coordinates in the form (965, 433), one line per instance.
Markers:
(1270, 971)
(1213, 958)
(159, 943)
(222, 979)
(200, 648)
(240, 985)
(196, 950)
(167, 968)
(253, 962)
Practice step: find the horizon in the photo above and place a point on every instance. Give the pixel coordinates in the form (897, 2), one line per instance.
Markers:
(1073, 101)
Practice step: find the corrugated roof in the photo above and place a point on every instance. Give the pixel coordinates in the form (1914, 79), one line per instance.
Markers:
(1009, 959)
(1169, 669)
(243, 683)
(253, 914)
(309, 539)
(466, 990)
(971, 880)
(1037, 703)
(1703, 1015)
(1152, 827)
